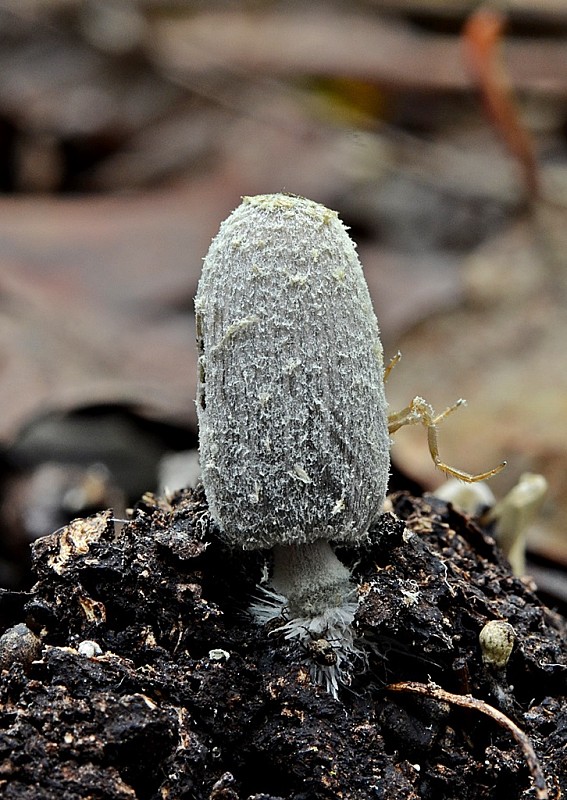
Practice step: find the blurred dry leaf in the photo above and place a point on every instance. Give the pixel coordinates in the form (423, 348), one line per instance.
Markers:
(549, 10)
(53, 81)
(504, 351)
(483, 37)
(409, 288)
(96, 300)
(329, 41)
(97, 292)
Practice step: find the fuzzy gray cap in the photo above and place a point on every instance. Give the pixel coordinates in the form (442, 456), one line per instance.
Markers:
(293, 434)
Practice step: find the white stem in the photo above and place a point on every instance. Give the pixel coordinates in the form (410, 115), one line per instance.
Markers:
(311, 577)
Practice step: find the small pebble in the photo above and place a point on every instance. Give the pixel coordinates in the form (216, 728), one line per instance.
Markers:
(89, 649)
(18, 644)
(496, 642)
(219, 655)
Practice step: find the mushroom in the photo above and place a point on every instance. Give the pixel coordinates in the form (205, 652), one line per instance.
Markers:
(496, 641)
(293, 429)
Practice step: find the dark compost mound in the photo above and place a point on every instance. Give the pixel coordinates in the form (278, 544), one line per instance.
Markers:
(148, 678)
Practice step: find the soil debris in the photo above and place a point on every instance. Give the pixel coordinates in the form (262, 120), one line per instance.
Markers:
(188, 698)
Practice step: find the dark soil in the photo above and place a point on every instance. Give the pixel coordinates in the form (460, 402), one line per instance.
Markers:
(190, 699)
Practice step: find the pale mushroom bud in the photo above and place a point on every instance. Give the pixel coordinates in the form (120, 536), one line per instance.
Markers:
(294, 442)
(514, 514)
(470, 498)
(496, 643)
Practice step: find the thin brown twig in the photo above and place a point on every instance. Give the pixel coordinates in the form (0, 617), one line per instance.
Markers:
(467, 701)
(483, 34)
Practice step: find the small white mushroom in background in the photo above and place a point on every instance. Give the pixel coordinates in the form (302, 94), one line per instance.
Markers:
(294, 442)
(470, 498)
(513, 515)
(177, 471)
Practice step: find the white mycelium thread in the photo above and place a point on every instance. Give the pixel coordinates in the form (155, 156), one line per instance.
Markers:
(294, 444)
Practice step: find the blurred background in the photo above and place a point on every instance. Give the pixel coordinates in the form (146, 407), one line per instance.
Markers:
(129, 129)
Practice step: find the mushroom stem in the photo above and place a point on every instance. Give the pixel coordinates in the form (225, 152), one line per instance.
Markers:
(311, 578)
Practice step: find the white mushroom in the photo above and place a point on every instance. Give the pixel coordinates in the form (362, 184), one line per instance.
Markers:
(293, 430)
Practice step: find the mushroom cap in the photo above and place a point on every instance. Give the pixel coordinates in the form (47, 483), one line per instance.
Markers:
(293, 435)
